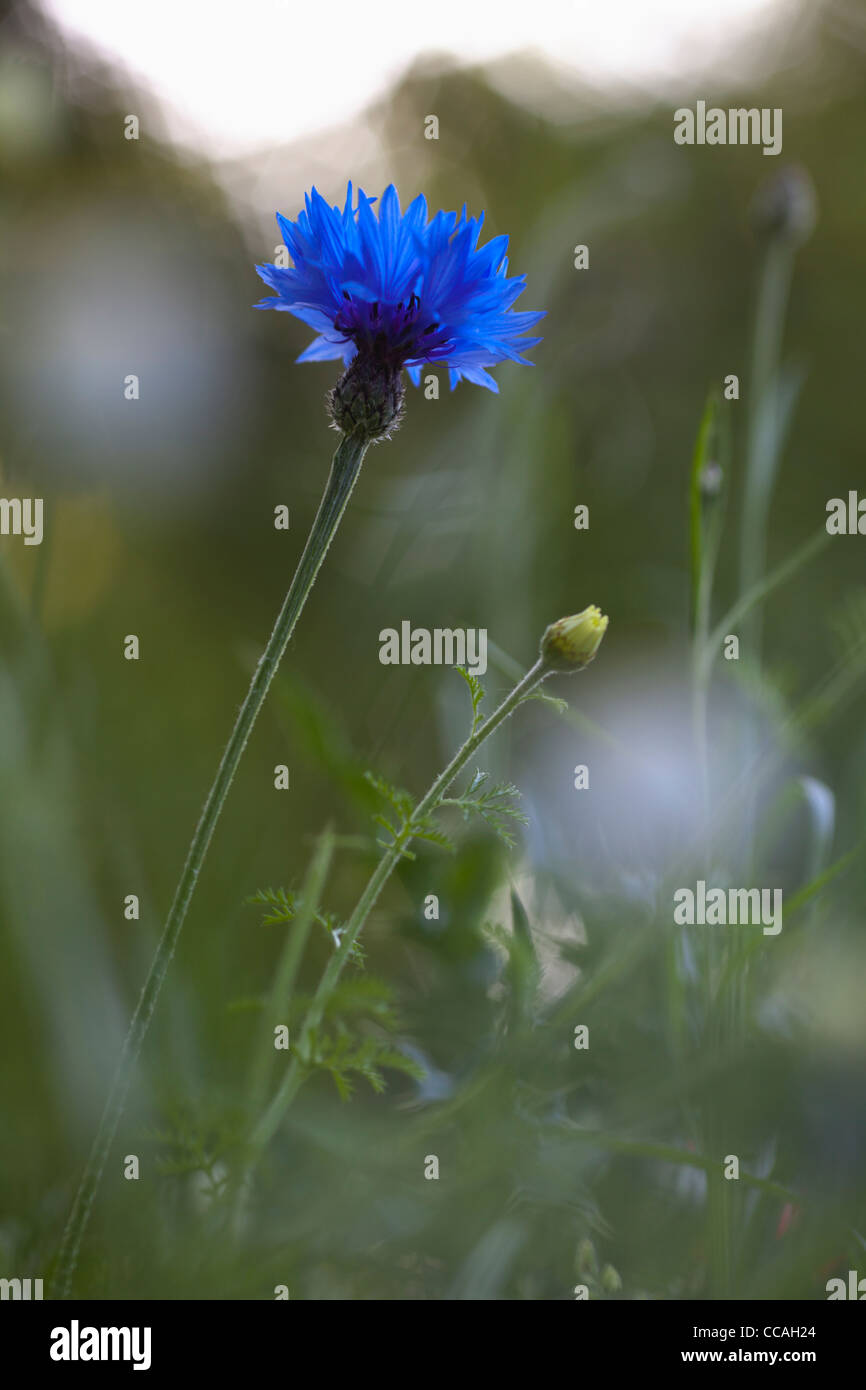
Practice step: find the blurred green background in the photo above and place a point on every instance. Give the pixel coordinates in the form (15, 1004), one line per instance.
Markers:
(121, 257)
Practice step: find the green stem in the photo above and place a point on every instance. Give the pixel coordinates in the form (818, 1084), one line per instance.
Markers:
(286, 973)
(288, 1089)
(763, 450)
(701, 671)
(345, 467)
(763, 444)
(761, 590)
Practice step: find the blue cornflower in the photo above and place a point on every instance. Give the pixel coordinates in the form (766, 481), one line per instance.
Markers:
(398, 291)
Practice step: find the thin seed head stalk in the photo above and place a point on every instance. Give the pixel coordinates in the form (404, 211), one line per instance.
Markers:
(566, 646)
(385, 295)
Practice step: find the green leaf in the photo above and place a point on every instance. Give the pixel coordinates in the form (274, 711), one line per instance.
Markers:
(477, 780)
(400, 800)
(493, 805)
(386, 825)
(763, 589)
(701, 458)
(343, 1053)
(476, 694)
(520, 920)
(426, 830)
(283, 905)
(560, 706)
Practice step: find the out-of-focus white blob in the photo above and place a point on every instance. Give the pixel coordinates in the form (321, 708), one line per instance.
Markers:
(640, 819)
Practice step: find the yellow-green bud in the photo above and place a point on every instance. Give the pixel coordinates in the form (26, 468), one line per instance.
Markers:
(571, 643)
(610, 1280)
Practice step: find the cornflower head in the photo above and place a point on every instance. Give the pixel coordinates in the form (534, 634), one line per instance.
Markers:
(396, 291)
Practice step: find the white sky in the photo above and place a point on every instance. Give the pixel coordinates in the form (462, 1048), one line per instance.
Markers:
(236, 75)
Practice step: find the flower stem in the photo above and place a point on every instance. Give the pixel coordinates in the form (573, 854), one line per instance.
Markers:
(286, 972)
(288, 1089)
(765, 425)
(345, 467)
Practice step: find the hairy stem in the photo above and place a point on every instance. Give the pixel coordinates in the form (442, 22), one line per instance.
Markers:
(345, 468)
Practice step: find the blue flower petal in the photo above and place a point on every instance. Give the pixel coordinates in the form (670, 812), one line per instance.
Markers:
(405, 289)
(322, 350)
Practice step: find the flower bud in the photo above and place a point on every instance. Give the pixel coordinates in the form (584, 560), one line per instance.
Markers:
(571, 643)
(610, 1280)
(367, 401)
(786, 206)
